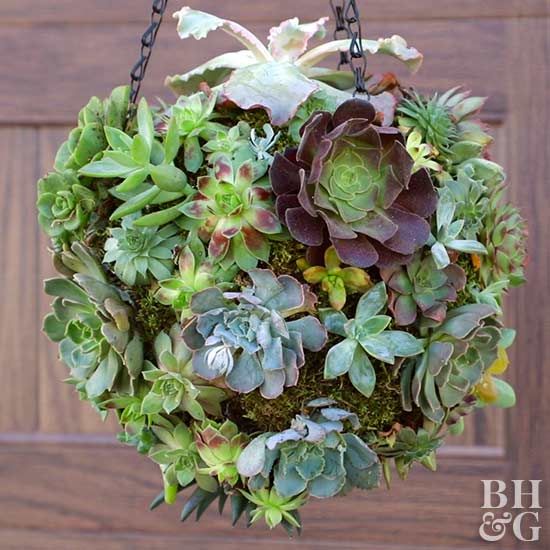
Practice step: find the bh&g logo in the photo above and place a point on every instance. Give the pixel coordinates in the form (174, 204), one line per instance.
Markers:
(523, 521)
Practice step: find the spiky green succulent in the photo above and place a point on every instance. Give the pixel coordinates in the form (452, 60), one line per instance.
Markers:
(443, 123)
(363, 336)
(245, 338)
(195, 272)
(219, 446)
(335, 280)
(174, 385)
(88, 139)
(504, 235)
(313, 456)
(140, 253)
(273, 508)
(233, 212)
(421, 286)
(146, 168)
(407, 448)
(65, 207)
(457, 353)
(91, 320)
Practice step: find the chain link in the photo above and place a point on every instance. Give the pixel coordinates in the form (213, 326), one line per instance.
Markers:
(348, 21)
(137, 74)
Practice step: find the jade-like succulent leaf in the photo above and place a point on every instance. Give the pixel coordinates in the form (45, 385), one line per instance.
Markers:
(362, 375)
(340, 358)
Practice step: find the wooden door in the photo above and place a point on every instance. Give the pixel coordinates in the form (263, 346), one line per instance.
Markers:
(64, 481)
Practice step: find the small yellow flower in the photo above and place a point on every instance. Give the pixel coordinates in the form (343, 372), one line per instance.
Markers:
(486, 389)
(421, 153)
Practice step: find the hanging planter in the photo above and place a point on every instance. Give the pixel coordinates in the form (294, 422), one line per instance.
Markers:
(288, 282)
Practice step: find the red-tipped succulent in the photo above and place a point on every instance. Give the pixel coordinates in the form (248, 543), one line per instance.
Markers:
(349, 184)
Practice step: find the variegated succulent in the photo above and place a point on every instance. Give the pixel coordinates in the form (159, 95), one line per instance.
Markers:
(336, 281)
(285, 66)
(233, 211)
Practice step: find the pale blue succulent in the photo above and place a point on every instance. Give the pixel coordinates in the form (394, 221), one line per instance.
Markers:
(313, 456)
(244, 336)
(263, 145)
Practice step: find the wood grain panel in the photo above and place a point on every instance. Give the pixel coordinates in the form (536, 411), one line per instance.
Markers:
(60, 409)
(71, 62)
(107, 11)
(13, 539)
(92, 477)
(529, 161)
(19, 321)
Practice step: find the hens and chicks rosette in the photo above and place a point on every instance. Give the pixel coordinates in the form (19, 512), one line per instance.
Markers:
(282, 291)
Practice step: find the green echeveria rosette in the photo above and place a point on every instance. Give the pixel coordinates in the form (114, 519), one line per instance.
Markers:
(139, 254)
(65, 207)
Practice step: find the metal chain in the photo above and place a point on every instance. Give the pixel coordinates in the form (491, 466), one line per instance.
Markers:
(348, 21)
(137, 74)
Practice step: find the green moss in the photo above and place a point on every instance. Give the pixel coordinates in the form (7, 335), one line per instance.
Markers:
(151, 317)
(472, 276)
(256, 118)
(376, 413)
(283, 257)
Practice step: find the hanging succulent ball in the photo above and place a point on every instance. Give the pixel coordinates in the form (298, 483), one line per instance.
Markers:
(282, 295)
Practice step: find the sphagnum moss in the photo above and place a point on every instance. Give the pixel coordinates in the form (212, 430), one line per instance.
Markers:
(376, 413)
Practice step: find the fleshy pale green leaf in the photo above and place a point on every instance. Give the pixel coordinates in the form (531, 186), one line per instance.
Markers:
(198, 24)
(362, 374)
(169, 178)
(340, 358)
(506, 394)
(280, 88)
(395, 46)
(371, 303)
(213, 72)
